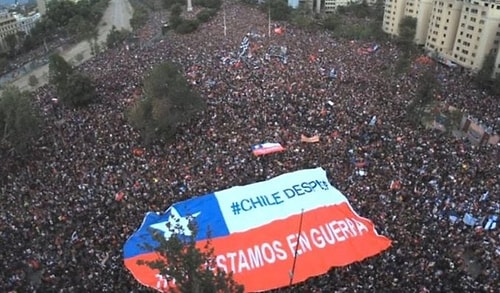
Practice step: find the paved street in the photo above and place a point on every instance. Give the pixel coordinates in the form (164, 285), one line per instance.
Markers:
(118, 13)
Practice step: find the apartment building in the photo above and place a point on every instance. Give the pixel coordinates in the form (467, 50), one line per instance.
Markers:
(12, 23)
(27, 23)
(462, 31)
(8, 26)
(42, 6)
(478, 33)
(328, 6)
(423, 15)
(443, 26)
(394, 12)
(332, 5)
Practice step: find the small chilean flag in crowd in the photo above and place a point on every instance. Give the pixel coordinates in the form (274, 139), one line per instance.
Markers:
(267, 148)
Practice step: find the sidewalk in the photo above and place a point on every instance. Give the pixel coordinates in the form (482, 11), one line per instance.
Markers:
(118, 13)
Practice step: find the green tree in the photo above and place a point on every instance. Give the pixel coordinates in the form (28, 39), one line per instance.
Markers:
(378, 10)
(73, 88)
(139, 17)
(19, 122)
(60, 12)
(407, 30)
(168, 101)
(206, 14)
(332, 22)
(167, 4)
(79, 57)
(193, 269)
(425, 96)
(95, 47)
(187, 26)
(176, 10)
(213, 4)
(4, 63)
(78, 90)
(81, 28)
(59, 70)
(32, 80)
(495, 88)
(116, 37)
(302, 17)
(11, 42)
(280, 11)
(484, 76)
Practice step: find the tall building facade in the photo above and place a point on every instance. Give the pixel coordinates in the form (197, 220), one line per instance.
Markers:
(12, 23)
(478, 33)
(42, 6)
(332, 5)
(394, 12)
(27, 23)
(443, 26)
(8, 26)
(462, 31)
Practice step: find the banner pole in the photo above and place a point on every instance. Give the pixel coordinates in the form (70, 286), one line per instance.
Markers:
(269, 21)
(292, 272)
(225, 28)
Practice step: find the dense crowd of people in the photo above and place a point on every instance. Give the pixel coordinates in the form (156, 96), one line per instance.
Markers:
(62, 229)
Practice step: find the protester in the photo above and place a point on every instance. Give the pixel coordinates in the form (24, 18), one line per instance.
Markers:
(69, 206)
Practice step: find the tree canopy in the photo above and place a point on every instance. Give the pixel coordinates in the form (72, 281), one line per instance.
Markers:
(73, 88)
(168, 101)
(425, 96)
(191, 269)
(19, 122)
(116, 37)
(280, 11)
(59, 70)
(407, 30)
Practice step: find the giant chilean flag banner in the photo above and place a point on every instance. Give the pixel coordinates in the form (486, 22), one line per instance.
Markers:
(255, 231)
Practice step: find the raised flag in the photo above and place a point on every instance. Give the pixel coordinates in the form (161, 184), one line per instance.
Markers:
(279, 30)
(138, 152)
(332, 74)
(312, 139)
(245, 44)
(253, 230)
(119, 195)
(395, 185)
(267, 148)
(490, 222)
